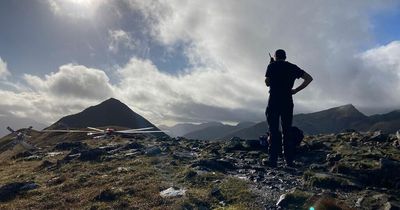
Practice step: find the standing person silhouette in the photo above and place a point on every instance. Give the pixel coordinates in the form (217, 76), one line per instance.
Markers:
(280, 77)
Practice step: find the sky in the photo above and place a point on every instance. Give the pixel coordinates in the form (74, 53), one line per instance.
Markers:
(194, 61)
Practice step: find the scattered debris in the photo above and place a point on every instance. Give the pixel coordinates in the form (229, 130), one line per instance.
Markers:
(53, 154)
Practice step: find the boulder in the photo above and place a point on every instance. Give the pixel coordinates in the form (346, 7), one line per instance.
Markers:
(391, 206)
(133, 145)
(56, 180)
(216, 193)
(24, 154)
(379, 136)
(172, 192)
(388, 172)
(153, 151)
(11, 190)
(70, 145)
(91, 154)
(234, 144)
(396, 144)
(106, 196)
(253, 145)
(334, 157)
(293, 200)
(44, 165)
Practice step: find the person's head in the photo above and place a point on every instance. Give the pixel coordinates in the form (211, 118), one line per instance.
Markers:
(280, 55)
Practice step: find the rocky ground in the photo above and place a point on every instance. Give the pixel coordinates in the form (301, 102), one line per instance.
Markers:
(349, 170)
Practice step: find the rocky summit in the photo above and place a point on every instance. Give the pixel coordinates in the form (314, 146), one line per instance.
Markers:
(349, 170)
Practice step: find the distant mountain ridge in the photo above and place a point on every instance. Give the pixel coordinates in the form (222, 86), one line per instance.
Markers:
(17, 123)
(111, 112)
(208, 130)
(332, 120)
(217, 132)
(181, 129)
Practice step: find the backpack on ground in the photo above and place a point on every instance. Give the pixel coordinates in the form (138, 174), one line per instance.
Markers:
(297, 136)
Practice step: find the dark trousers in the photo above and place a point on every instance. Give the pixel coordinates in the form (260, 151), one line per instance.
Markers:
(280, 110)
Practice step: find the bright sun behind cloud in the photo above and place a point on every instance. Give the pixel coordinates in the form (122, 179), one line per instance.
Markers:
(75, 8)
(81, 2)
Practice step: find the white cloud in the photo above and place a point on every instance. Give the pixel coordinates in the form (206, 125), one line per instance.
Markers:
(73, 81)
(118, 39)
(69, 90)
(377, 80)
(231, 40)
(3, 69)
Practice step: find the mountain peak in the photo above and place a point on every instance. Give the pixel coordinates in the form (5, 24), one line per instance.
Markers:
(349, 110)
(110, 112)
(347, 107)
(112, 100)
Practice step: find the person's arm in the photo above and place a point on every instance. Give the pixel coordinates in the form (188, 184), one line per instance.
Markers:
(267, 82)
(268, 75)
(307, 80)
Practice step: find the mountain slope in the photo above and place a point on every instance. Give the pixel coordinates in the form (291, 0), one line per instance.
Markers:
(111, 112)
(181, 129)
(331, 121)
(389, 122)
(218, 131)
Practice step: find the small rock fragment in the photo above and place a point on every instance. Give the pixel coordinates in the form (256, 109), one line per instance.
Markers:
(172, 192)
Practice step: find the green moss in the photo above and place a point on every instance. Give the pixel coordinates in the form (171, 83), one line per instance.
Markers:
(236, 191)
(329, 181)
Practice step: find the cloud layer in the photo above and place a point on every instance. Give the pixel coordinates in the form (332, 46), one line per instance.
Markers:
(226, 44)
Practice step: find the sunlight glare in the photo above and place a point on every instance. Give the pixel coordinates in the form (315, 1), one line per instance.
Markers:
(75, 8)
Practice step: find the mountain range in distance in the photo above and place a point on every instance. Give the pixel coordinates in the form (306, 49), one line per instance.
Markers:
(114, 113)
(332, 120)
